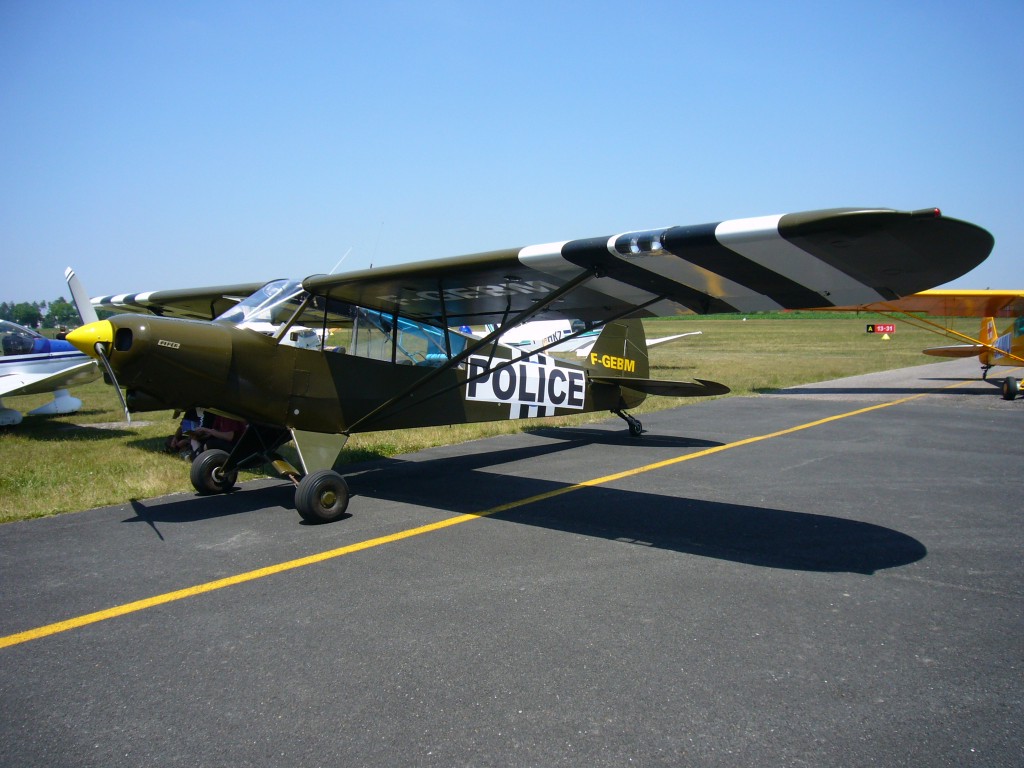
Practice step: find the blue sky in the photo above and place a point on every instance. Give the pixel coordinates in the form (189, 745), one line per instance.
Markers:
(165, 145)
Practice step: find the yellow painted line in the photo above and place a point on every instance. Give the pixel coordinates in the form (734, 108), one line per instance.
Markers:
(260, 573)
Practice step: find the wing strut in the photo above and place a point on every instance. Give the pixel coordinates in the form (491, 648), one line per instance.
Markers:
(444, 320)
(522, 317)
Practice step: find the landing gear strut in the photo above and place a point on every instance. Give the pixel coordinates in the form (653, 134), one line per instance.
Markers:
(320, 496)
(635, 427)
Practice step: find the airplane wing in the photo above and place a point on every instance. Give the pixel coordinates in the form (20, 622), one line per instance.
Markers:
(949, 303)
(583, 351)
(41, 383)
(954, 303)
(957, 350)
(191, 303)
(794, 261)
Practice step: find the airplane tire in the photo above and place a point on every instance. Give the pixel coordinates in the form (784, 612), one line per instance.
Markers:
(1010, 388)
(207, 475)
(322, 497)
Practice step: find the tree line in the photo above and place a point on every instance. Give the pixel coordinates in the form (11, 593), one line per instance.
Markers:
(41, 314)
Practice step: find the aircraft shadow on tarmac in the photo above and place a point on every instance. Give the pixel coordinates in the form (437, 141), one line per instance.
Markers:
(761, 536)
(754, 535)
(186, 509)
(596, 436)
(473, 482)
(281, 493)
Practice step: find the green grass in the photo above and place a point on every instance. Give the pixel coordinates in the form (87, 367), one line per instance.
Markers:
(92, 458)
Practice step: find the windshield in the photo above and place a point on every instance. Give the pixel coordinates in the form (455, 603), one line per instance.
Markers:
(275, 304)
(268, 307)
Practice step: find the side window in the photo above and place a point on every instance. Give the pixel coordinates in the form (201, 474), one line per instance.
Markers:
(380, 336)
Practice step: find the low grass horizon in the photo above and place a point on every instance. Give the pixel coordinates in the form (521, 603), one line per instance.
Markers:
(92, 458)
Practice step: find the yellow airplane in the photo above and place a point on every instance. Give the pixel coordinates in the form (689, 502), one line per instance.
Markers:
(991, 347)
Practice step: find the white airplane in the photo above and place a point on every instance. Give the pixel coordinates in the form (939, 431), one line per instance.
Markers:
(32, 364)
(533, 335)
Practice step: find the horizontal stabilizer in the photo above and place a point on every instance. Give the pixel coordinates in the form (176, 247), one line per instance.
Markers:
(698, 388)
(956, 350)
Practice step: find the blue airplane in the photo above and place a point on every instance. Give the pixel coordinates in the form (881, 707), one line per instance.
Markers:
(32, 364)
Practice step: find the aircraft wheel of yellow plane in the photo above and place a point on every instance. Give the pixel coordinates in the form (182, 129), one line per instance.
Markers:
(1010, 388)
(322, 497)
(207, 473)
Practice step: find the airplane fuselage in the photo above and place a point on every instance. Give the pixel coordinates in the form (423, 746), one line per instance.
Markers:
(173, 363)
(43, 363)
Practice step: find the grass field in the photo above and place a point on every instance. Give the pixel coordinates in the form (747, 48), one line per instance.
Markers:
(93, 458)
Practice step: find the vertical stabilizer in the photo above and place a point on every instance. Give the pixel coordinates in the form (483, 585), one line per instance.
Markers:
(620, 351)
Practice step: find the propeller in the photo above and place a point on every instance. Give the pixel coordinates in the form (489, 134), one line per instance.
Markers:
(82, 303)
(101, 355)
(94, 339)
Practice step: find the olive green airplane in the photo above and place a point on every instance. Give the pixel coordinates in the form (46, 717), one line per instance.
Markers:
(316, 360)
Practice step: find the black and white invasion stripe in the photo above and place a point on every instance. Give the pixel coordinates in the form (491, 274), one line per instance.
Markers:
(738, 265)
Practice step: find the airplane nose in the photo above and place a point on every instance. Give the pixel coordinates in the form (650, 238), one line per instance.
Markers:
(86, 337)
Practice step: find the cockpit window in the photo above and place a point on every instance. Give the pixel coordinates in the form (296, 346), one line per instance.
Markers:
(276, 303)
(383, 337)
(16, 340)
(333, 326)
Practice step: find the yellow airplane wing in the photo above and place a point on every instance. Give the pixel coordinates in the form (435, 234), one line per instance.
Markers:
(949, 303)
(943, 302)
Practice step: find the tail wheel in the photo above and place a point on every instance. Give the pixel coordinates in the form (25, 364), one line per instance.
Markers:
(1010, 388)
(208, 475)
(635, 427)
(322, 497)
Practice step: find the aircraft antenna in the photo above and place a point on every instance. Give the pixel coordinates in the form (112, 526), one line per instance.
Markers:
(376, 242)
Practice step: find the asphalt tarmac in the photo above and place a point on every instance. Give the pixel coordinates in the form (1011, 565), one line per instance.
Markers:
(826, 576)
